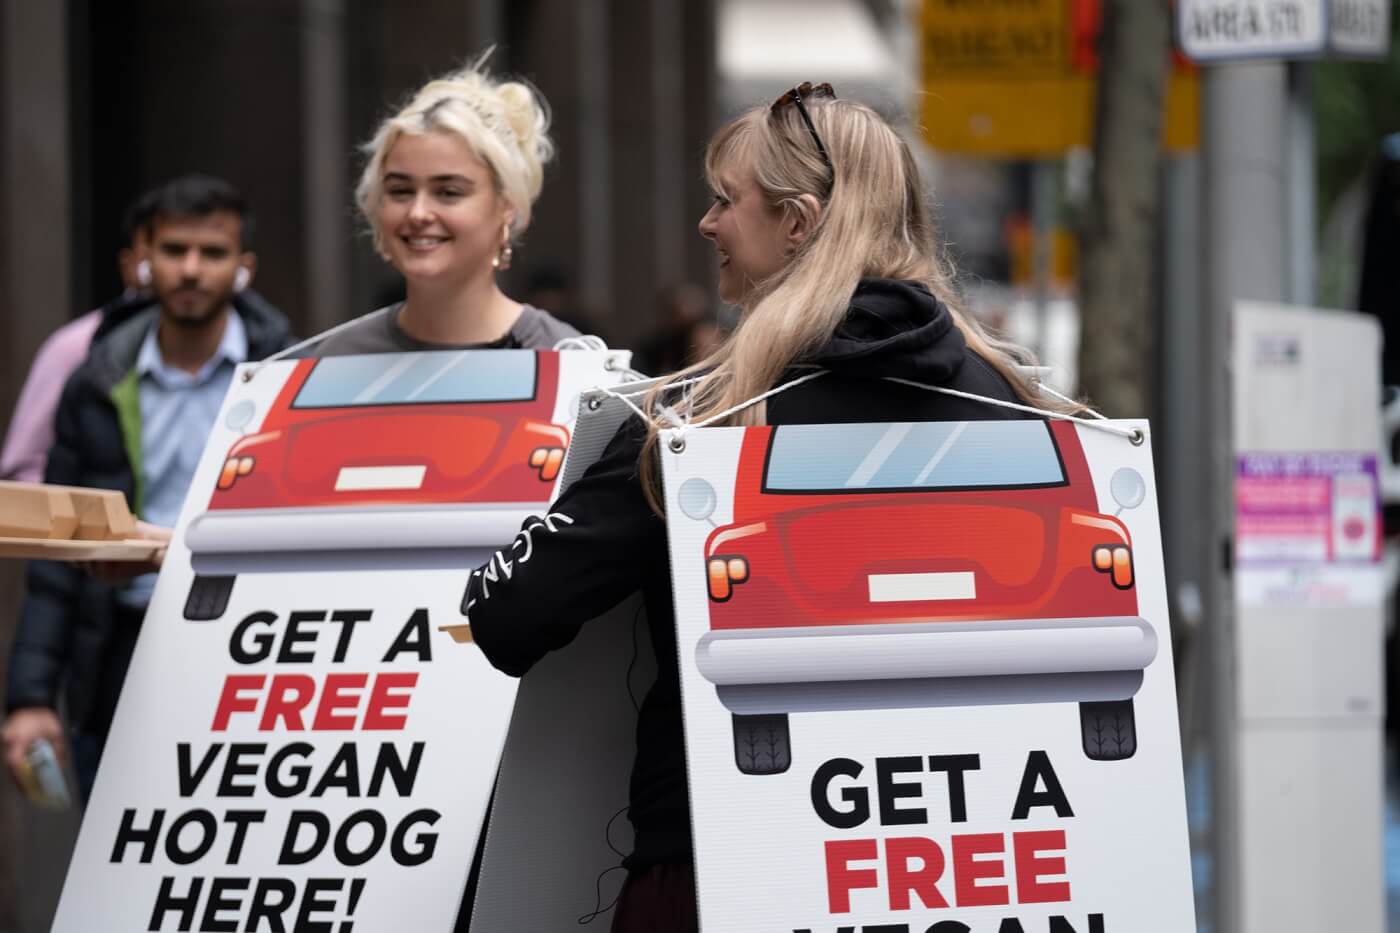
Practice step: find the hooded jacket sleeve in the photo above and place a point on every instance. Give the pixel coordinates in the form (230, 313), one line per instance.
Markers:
(587, 554)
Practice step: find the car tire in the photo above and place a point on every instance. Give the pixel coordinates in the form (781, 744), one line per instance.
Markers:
(208, 598)
(762, 744)
(1109, 730)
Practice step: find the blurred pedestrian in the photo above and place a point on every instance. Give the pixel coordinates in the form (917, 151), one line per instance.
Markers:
(449, 188)
(134, 417)
(30, 433)
(690, 331)
(549, 287)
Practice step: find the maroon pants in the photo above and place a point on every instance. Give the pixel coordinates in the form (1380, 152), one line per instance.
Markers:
(659, 899)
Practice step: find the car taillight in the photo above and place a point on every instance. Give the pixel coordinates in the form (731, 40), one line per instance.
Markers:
(234, 467)
(547, 460)
(724, 573)
(1117, 561)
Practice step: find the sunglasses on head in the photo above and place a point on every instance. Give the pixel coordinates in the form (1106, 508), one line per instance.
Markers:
(807, 91)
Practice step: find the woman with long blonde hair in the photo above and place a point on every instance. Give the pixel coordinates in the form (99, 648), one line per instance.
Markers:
(825, 244)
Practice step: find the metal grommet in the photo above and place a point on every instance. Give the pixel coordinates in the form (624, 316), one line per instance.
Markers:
(1137, 437)
(247, 375)
(677, 444)
(594, 404)
(610, 364)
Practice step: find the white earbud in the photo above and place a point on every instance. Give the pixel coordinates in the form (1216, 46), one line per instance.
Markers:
(241, 278)
(143, 273)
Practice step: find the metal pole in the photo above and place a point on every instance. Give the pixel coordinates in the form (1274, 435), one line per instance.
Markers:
(1244, 247)
(1042, 248)
(326, 180)
(486, 26)
(1302, 187)
(1180, 447)
(594, 155)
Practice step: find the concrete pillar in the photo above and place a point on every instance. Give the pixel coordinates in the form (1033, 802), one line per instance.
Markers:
(36, 292)
(1181, 447)
(631, 83)
(1244, 228)
(594, 181)
(325, 166)
(663, 93)
(35, 166)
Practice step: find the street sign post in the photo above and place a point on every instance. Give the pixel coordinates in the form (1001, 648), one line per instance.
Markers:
(1016, 79)
(1234, 30)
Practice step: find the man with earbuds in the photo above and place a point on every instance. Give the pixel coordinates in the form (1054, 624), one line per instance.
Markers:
(134, 416)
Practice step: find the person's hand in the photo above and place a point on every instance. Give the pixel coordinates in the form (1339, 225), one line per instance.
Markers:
(149, 532)
(23, 728)
(114, 572)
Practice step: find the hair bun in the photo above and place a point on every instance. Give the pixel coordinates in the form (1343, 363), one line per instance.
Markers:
(528, 117)
(506, 123)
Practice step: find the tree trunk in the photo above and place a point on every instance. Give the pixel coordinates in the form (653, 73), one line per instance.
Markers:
(1119, 234)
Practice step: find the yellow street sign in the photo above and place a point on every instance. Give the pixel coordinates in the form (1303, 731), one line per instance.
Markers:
(1016, 79)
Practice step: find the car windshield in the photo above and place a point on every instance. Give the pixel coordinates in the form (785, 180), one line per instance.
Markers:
(922, 455)
(420, 379)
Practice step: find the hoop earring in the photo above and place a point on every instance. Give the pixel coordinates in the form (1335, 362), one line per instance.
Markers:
(501, 261)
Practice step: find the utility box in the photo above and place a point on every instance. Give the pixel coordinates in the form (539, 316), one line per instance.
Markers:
(1308, 590)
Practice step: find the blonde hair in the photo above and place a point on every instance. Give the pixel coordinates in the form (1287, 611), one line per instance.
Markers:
(504, 122)
(874, 223)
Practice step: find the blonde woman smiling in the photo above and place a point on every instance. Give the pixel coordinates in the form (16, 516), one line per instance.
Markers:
(448, 189)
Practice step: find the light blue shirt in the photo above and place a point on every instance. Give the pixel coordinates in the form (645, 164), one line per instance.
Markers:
(178, 410)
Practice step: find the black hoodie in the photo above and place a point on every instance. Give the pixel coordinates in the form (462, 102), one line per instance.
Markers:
(612, 544)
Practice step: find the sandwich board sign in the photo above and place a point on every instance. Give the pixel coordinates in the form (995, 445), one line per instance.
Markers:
(1017, 78)
(927, 679)
(302, 742)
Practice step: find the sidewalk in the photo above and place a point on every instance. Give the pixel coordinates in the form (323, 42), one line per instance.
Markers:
(1198, 817)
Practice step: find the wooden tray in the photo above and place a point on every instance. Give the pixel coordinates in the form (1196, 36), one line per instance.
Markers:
(130, 549)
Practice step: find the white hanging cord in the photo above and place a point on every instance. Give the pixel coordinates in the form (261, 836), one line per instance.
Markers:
(678, 384)
(677, 443)
(682, 425)
(1065, 398)
(594, 342)
(626, 399)
(248, 374)
(755, 400)
(1132, 434)
(582, 342)
(621, 393)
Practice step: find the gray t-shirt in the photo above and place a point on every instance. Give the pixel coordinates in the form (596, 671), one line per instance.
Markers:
(379, 332)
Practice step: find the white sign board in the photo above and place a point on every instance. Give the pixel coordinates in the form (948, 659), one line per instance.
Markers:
(927, 679)
(1360, 28)
(1308, 589)
(298, 744)
(1215, 30)
(1231, 30)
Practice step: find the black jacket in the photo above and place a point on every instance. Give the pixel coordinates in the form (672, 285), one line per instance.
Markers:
(616, 545)
(71, 627)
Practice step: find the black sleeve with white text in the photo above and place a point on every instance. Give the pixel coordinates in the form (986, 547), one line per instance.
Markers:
(583, 557)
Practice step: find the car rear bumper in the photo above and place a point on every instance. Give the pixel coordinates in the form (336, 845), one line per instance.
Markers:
(926, 651)
(231, 538)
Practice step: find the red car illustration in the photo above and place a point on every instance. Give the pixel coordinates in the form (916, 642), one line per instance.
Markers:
(371, 461)
(883, 566)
